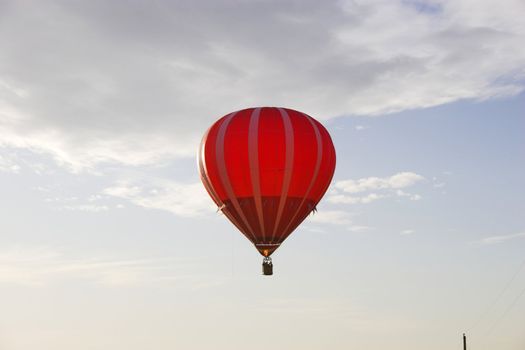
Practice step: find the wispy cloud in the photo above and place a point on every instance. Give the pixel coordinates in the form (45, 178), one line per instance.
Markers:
(42, 266)
(7, 164)
(186, 200)
(345, 199)
(93, 203)
(352, 191)
(359, 228)
(94, 208)
(322, 218)
(412, 197)
(437, 183)
(336, 217)
(399, 180)
(501, 238)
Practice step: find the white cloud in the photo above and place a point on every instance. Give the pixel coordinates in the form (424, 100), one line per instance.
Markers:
(415, 197)
(501, 238)
(412, 197)
(143, 90)
(387, 186)
(342, 199)
(86, 207)
(95, 198)
(371, 197)
(405, 179)
(335, 217)
(186, 200)
(407, 232)
(437, 183)
(94, 203)
(61, 199)
(359, 228)
(123, 190)
(8, 165)
(315, 229)
(399, 180)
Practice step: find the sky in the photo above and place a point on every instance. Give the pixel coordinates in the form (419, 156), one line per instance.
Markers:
(108, 240)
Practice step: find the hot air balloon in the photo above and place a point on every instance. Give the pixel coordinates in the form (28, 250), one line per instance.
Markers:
(266, 169)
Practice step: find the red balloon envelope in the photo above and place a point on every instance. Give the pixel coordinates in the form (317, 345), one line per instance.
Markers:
(266, 169)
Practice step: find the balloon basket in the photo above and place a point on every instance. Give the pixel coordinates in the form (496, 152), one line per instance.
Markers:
(267, 266)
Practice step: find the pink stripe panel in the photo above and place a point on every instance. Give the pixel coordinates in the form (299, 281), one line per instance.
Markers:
(253, 152)
(289, 140)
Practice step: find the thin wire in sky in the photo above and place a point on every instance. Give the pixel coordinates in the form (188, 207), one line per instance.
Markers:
(499, 296)
(510, 307)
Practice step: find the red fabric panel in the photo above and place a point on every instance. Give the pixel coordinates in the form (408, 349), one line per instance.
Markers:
(271, 151)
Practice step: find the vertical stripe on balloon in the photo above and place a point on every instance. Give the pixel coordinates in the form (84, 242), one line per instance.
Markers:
(253, 151)
(331, 154)
(288, 168)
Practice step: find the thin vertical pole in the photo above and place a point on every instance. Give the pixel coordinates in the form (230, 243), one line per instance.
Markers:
(464, 342)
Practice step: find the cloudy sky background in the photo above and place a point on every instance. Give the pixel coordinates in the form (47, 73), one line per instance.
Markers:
(108, 240)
